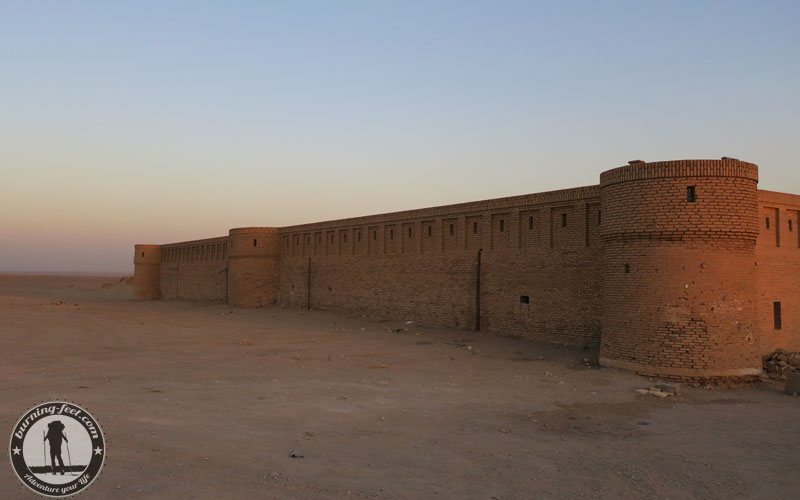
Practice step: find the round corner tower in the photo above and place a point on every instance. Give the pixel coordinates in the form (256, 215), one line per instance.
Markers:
(253, 266)
(679, 268)
(146, 272)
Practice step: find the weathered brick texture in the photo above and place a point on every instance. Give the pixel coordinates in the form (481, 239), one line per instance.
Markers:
(679, 268)
(672, 261)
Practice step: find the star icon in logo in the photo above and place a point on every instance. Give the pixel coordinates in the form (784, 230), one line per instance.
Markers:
(98, 451)
(16, 450)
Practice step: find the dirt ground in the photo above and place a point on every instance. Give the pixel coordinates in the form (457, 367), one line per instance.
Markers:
(190, 413)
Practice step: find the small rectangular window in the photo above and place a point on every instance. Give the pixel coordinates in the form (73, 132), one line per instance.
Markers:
(776, 312)
(599, 217)
(451, 230)
(474, 228)
(563, 220)
(391, 234)
(530, 222)
(767, 222)
(344, 238)
(691, 194)
(358, 235)
(409, 232)
(430, 230)
(331, 238)
(627, 268)
(255, 242)
(790, 225)
(524, 299)
(374, 235)
(502, 225)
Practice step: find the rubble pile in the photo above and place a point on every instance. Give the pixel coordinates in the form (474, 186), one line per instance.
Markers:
(780, 363)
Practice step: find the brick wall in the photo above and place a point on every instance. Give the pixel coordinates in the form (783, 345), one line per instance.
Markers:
(778, 271)
(540, 278)
(195, 270)
(679, 288)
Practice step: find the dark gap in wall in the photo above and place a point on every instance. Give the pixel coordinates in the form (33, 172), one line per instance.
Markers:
(409, 232)
(627, 268)
(474, 228)
(255, 242)
(691, 194)
(524, 299)
(767, 222)
(530, 222)
(563, 220)
(776, 312)
(451, 230)
(502, 225)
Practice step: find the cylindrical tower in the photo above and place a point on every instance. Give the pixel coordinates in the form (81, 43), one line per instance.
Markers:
(679, 268)
(253, 266)
(147, 272)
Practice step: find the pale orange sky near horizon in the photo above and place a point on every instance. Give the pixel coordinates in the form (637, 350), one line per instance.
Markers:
(152, 123)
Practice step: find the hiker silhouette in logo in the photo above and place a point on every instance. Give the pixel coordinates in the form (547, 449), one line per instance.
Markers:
(55, 433)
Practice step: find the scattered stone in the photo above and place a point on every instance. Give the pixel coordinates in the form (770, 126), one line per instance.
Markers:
(642, 391)
(296, 454)
(669, 387)
(659, 394)
(780, 364)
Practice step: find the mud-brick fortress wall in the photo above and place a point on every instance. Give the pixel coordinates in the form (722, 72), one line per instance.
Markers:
(539, 265)
(778, 271)
(195, 270)
(679, 269)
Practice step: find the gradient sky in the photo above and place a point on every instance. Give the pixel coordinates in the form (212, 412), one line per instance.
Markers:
(152, 122)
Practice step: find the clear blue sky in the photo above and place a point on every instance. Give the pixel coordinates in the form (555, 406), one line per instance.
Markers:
(150, 122)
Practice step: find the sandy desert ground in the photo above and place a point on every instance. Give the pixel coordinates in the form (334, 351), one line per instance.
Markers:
(191, 413)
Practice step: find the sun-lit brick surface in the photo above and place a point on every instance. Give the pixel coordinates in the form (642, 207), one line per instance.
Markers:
(673, 268)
